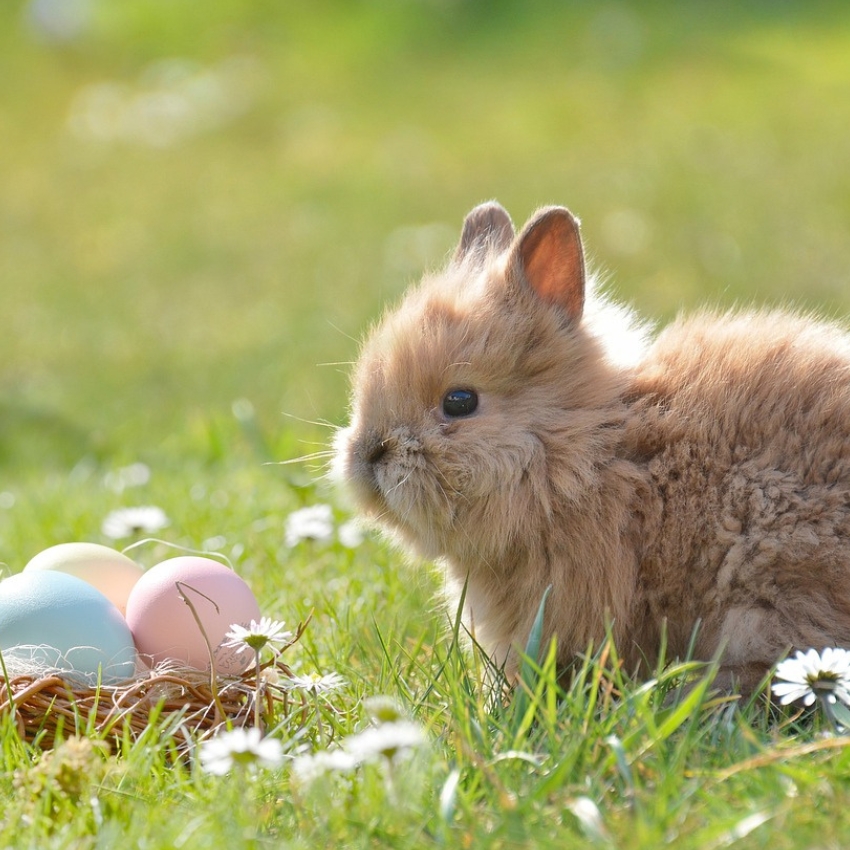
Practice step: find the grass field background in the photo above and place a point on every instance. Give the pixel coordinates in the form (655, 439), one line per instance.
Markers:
(203, 206)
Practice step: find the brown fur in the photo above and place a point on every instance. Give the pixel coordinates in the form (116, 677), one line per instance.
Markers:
(707, 483)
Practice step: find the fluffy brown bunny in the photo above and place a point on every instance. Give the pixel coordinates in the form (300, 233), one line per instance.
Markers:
(516, 428)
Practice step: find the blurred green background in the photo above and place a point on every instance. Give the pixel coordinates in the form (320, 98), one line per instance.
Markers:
(204, 204)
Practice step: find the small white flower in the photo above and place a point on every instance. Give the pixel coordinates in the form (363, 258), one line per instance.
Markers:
(316, 683)
(383, 709)
(351, 534)
(313, 523)
(257, 635)
(240, 748)
(312, 766)
(126, 522)
(389, 740)
(811, 675)
(134, 475)
(588, 815)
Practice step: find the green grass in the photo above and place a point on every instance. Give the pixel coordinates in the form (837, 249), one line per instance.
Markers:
(150, 292)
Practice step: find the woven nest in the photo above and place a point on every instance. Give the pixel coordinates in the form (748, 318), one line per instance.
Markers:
(185, 703)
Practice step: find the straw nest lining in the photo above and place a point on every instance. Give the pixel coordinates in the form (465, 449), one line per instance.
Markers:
(190, 703)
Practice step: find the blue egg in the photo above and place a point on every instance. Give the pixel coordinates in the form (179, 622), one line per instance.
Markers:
(54, 621)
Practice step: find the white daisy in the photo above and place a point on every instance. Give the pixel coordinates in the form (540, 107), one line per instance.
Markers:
(134, 475)
(256, 636)
(245, 748)
(127, 522)
(383, 709)
(351, 534)
(588, 815)
(317, 684)
(389, 740)
(313, 523)
(309, 767)
(812, 675)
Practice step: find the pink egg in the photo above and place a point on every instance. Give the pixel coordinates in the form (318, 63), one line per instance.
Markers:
(164, 626)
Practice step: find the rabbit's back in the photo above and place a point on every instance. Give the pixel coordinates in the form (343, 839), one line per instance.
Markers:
(742, 424)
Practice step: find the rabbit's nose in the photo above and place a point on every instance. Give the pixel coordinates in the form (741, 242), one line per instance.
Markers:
(377, 451)
(374, 450)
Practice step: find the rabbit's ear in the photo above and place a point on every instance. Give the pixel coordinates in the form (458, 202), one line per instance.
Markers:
(548, 254)
(487, 228)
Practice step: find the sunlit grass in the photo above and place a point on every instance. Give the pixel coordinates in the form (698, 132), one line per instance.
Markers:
(601, 759)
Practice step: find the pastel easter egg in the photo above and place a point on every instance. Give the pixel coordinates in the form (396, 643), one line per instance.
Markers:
(112, 573)
(52, 620)
(166, 628)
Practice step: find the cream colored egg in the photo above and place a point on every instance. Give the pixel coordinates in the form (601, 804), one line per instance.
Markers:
(112, 573)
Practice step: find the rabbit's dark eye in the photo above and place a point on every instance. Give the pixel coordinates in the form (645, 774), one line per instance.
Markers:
(460, 402)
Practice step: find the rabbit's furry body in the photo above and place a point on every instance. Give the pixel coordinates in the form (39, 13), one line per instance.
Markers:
(699, 487)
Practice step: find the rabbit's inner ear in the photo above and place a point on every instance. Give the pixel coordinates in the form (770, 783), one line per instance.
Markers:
(488, 228)
(552, 260)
